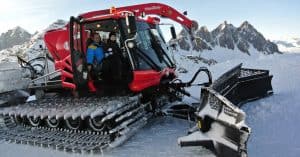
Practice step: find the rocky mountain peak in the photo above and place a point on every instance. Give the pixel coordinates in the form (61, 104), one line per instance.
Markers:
(225, 26)
(18, 28)
(16, 31)
(203, 29)
(223, 29)
(223, 35)
(246, 25)
(15, 36)
(228, 36)
(204, 33)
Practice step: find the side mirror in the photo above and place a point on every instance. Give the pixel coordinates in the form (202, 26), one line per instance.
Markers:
(131, 25)
(173, 32)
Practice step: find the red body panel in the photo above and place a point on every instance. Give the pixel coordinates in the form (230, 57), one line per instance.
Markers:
(148, 78)
(57, 42)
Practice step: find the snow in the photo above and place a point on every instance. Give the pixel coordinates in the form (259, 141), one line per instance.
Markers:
(223, 26)
(158, 138)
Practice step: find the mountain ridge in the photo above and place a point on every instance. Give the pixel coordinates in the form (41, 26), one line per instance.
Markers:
(14, 36)
(228, 36)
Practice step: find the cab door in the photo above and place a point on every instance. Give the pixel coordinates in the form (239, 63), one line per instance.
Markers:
(77, 54)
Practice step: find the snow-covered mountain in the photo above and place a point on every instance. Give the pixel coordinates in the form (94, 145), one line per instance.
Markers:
(30, 48)
(228, 36)
(288, 45)
(15, 36)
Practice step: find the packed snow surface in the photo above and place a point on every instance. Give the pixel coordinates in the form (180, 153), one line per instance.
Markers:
(274, 120)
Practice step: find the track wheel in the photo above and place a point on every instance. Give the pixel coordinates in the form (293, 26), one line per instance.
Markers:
(73, 124)
(34, 121)
(53, 122)
(95, 124)
(18, 119)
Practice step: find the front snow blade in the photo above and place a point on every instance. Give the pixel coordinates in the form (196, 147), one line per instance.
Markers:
(221, 124)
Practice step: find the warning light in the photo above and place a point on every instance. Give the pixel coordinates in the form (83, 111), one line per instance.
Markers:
(113, 10)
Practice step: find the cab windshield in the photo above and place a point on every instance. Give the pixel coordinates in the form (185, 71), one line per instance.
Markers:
(151, 51)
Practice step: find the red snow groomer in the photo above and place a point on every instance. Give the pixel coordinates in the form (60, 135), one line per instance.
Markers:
(101, 106)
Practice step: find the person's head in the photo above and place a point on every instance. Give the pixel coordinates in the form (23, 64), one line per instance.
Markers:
(112, 36)
(96, 38)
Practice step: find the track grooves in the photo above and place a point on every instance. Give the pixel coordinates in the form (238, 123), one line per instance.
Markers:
(60, 139)
(127, 114)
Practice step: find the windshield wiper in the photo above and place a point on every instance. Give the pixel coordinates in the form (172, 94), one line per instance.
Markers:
(148, 60)
(160, 52)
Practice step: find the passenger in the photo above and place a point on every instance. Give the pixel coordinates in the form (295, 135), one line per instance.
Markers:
(94, 57)
(112, 46)
(113, 52)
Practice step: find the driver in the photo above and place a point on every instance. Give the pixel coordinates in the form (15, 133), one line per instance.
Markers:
(94, 57)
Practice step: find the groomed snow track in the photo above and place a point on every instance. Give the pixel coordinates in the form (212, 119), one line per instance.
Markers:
(121, 117)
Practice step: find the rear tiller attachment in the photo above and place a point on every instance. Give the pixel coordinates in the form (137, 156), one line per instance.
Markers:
(220, 124)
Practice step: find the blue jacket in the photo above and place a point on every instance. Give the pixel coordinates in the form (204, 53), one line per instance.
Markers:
(94, 54)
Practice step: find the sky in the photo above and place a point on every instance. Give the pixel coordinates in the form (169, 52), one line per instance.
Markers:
(275, 19)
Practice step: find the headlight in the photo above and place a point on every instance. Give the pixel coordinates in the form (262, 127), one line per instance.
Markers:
(130, 45)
